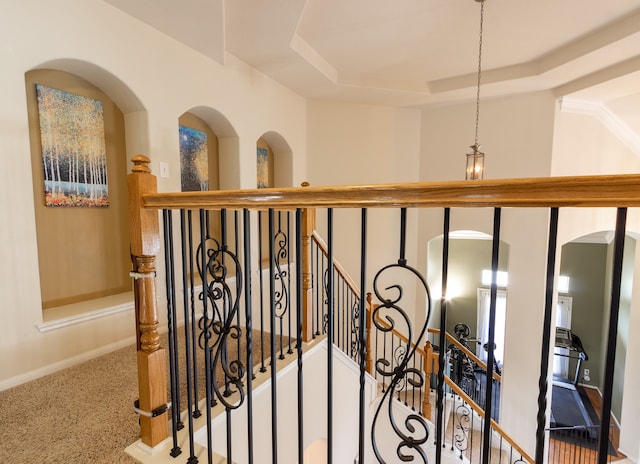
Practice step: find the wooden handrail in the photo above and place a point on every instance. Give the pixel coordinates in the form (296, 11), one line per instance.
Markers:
(336, 265)
(576, 191)
(467, 399)
(466, 351)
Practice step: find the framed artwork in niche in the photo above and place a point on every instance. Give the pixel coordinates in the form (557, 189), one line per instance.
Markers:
(194, 160)
(74, 158)
(263, 167)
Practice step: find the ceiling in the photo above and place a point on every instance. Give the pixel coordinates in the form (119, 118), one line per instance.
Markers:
(416, 53)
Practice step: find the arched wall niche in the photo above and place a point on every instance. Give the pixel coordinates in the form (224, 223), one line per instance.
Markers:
(83, 252)
(192, 121)
(228, 146)
(278, 174)
(281, 169)
(124, 98)
(217, 128)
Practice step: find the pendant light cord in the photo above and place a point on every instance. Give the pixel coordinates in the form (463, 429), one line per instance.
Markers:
(479, 70)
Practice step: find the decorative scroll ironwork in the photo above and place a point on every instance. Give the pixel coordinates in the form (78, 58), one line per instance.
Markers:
(414, 432)
(325, 301)
(461, 434)
(218, 324)
(463, 373)
(355, 329)
(281, 295)
(399, 353)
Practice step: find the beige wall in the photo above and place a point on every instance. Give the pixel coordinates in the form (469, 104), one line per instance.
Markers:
(582, 145)
(119, 55)
(516, 134)
(364, 144)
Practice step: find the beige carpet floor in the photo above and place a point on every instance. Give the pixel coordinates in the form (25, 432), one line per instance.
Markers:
(83, 414)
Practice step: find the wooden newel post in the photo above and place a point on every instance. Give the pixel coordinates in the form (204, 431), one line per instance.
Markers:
(428, 370)
(308, 226)
(145, 244)
(370, 335)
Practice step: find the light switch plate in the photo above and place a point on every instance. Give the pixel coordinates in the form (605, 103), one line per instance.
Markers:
(164, 169)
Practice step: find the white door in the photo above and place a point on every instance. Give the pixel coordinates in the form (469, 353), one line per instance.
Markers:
(484, 301)
(563, 319)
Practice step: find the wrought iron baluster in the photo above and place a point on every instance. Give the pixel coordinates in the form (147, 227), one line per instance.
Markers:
(281, 292)
(218, 330)
(362, 333)
(338, 309)
(330, 336)
(272, 323)
(298, 270)
(194, 345)
(356, 322)
(440, 396)
(172, 331)
(546, 335)
(205, 334)
(237, 253)
(249, 329)
(298, 259)
(486, 445)
(260, 273)
(187, 335)
(616, 281)
(314, 289)
(414, 433)
(325, 298)
(463, 417)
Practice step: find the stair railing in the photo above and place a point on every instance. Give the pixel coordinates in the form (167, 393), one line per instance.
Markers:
(346, 299)
(220, 321)
(464, 412)
(468, 426)
(469, 372)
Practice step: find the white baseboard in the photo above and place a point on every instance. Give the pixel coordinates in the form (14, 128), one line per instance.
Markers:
(63, 364)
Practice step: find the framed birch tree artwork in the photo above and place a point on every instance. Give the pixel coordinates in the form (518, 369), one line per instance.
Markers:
(74, 157)
(263, 167)
(194, 160)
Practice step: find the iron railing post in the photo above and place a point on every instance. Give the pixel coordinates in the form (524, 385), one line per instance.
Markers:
(616, 280)
(546, 337)
(488, 404)
(443, 338)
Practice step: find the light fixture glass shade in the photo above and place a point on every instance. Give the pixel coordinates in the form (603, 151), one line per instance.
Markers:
(475, 164)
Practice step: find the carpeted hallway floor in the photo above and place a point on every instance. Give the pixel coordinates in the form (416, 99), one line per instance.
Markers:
(83, 414)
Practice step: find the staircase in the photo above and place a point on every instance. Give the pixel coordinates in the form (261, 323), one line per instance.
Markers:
(346, 373)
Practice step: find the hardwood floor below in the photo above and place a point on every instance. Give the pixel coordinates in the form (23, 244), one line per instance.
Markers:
(563, 452)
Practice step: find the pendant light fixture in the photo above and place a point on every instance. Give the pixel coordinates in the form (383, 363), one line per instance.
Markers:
(475, 159)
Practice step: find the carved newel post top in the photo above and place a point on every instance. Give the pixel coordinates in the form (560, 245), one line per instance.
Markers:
(141, 164)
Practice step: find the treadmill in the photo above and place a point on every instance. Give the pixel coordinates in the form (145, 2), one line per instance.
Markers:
(566, 339)
(567, 406)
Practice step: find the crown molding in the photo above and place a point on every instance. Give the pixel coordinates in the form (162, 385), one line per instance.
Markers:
(608, 118)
